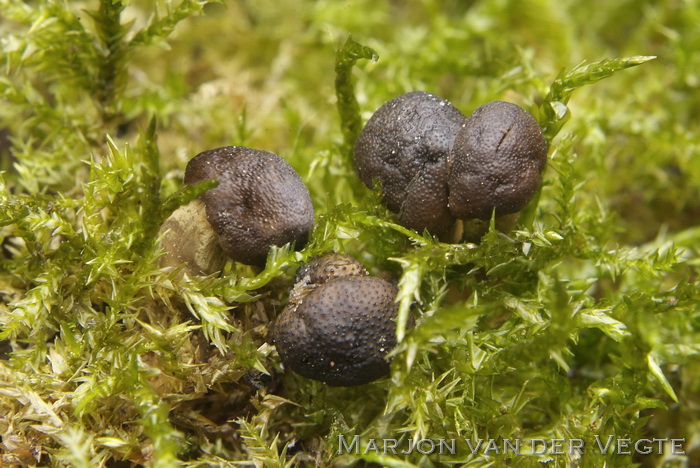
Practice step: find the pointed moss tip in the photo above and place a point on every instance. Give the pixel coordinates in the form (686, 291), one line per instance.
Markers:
(639, 59)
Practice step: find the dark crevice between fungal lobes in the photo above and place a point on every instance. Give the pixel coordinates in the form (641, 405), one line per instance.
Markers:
(5, 349)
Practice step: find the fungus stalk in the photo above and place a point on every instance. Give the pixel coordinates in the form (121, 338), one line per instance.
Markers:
(190, 242)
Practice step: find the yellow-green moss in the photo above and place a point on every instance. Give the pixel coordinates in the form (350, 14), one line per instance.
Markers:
(582, 322)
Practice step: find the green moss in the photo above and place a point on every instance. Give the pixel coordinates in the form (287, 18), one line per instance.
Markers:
(582, 322)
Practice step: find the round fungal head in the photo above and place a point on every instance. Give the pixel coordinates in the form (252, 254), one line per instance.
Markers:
(496, 162)
(260, 201)
(404, 146)
(341, 332)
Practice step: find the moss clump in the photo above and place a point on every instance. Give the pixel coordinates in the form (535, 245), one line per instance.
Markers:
(582, 322)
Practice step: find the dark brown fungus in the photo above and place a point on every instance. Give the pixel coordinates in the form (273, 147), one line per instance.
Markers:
(496, 162)
(438, 168)
(260, 201)
(404, 146)
(339, 324)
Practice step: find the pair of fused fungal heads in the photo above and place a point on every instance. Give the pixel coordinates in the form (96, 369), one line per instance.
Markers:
(437, 167)
(339, 324)
(260, 201)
